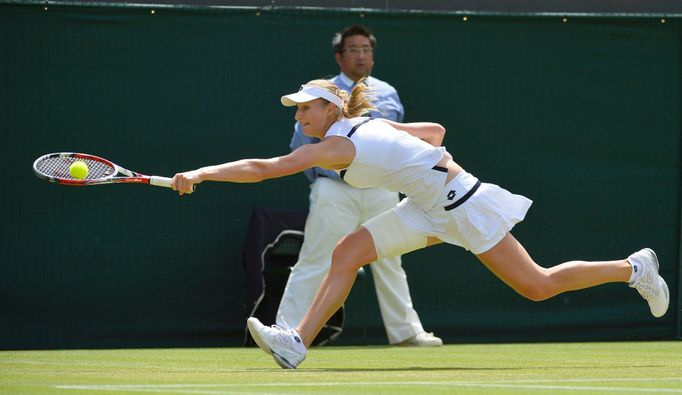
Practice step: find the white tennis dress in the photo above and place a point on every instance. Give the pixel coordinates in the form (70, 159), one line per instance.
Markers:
(464, 212)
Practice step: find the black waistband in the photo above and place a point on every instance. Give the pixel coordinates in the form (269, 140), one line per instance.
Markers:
(465, 197)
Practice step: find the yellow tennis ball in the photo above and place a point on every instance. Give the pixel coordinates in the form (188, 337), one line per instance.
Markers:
(78, 170)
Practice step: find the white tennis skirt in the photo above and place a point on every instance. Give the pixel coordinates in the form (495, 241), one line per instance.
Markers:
(478, 223)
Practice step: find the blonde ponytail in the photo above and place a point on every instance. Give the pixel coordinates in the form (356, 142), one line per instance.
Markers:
(358, 103)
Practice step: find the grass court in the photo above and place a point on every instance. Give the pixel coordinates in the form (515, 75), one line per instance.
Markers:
(549, 368)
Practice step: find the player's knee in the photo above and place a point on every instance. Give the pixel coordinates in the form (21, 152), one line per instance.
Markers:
(537, 291)
(539, 288)
(345, 257)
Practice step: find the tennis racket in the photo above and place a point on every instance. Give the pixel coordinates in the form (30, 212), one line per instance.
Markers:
(55, 168)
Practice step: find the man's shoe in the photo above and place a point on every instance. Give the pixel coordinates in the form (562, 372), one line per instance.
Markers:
(649, 283)
(424, 339)
(283, 343)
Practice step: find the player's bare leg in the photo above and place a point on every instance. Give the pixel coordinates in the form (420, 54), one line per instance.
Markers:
(351, 253)
(509, 261)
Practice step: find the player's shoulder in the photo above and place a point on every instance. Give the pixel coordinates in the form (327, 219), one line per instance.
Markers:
(343, 127)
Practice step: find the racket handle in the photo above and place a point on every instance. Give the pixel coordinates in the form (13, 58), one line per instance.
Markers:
(164, 182)
(160, 181)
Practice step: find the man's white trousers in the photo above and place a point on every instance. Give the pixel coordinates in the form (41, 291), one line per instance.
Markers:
(337, 209)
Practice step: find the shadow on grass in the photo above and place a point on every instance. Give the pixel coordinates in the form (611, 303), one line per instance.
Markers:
(477, 368)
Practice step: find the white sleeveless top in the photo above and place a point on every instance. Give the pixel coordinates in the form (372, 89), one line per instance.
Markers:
(390, 158)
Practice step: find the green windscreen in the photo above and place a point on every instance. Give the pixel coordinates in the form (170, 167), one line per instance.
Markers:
(580, 115)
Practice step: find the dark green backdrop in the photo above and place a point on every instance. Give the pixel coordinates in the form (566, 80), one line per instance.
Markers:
(582, 116)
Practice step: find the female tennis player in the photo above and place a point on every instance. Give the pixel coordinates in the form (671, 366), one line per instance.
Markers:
(444, 203)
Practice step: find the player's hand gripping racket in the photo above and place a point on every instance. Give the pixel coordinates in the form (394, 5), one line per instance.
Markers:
(55, 168)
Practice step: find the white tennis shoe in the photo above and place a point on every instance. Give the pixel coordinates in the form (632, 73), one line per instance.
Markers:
(649, 283)
(283, 343)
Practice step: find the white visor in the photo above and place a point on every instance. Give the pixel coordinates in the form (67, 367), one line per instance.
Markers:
(308, 93)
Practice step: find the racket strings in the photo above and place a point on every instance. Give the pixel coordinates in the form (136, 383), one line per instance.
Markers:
(59, 167)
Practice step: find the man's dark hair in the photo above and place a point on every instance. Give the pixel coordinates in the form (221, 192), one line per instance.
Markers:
(355, 30)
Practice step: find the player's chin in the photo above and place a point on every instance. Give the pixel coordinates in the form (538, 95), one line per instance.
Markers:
(308, 131)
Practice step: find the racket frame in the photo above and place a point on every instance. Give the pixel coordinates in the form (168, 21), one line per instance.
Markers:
(120, 174)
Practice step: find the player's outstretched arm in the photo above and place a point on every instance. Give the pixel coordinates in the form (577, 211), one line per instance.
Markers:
(323, 154)
(432, 133)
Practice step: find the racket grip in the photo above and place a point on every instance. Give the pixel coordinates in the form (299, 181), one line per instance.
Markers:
(164, 182)
(160, 181)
